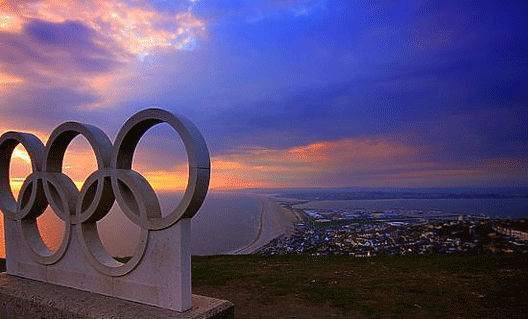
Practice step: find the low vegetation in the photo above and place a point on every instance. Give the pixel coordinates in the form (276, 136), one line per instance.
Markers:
(303, 286)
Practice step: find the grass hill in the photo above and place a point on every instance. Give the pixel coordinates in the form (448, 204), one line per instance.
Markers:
(303, 286)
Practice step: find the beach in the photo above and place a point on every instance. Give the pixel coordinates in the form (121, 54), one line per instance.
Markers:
(228, 223)
(275, 221)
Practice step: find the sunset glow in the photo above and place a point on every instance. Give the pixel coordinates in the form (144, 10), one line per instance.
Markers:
(9, 23)
(137, 29)
(8, 79)
(286, 93)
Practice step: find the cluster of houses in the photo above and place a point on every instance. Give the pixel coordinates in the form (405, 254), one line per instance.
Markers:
(320, 235)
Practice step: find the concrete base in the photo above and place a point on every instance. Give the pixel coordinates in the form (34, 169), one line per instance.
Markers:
(159, 273)
(26, 298)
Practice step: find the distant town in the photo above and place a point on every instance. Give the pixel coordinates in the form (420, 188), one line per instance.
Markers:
(400, 193)
(365, 233)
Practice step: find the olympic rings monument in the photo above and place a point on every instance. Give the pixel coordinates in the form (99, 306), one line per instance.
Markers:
(159, 272)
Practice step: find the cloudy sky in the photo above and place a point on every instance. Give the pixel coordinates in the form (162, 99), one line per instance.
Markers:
(287, 93)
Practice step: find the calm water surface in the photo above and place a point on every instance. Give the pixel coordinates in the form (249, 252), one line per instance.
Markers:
(225, 222)
(229, 221)
(514, 208)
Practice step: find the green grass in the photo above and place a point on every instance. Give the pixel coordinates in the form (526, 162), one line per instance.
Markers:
(435, 286)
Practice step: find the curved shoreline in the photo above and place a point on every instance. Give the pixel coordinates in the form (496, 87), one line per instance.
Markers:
(249, 246)
(274, 221)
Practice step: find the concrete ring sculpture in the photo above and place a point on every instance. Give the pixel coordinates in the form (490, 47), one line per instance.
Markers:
(31, 202)
(35, 150)
(93, 202)
(114, 179)
(128, 184)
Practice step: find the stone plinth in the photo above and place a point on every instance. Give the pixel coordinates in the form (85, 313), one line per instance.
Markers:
(159, 271)
(26, 298)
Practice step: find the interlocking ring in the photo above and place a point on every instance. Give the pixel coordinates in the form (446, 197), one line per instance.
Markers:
(113, 180)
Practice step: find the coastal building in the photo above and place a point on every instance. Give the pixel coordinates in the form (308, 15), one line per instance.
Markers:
(473, 236)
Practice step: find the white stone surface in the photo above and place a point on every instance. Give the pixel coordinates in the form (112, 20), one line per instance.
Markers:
(166, 265)
(24, 298)
(159, 272)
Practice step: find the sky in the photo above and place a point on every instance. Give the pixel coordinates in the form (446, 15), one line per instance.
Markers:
(287, 93)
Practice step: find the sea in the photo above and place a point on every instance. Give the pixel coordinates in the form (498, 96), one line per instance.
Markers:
(491, 207)
(227, 222)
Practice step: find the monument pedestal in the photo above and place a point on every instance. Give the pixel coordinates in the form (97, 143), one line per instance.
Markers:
(158, 274)
(26, 298)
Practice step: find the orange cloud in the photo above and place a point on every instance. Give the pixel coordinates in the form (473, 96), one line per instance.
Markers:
(9, 21)
(79, 162)
(307, 165)
(225, 181)
(227, 165)
(167, 180)
(138, 29)
(124, 30)
(9, 79)
(319, 157)
(357, 149)
(224, 175)
(21, 154)
(20, 168)
(348, 162)
(368, 162)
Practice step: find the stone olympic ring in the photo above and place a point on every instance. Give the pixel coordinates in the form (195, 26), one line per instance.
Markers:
(113, 180)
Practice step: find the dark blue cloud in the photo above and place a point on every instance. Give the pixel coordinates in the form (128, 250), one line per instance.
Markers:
(39, 109)
(75, 39)
(18, 51)
(67, 48)
(54, 62)
(448, 78)
(64, 34)
(456, 87)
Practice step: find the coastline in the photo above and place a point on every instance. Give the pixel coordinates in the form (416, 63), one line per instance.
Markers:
(274, 222)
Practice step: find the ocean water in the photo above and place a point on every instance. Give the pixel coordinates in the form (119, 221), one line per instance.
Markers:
(225, 222)
(229, 221)
(504, 208)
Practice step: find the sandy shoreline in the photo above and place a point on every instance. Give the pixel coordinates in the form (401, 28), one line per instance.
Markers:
(274, 221)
